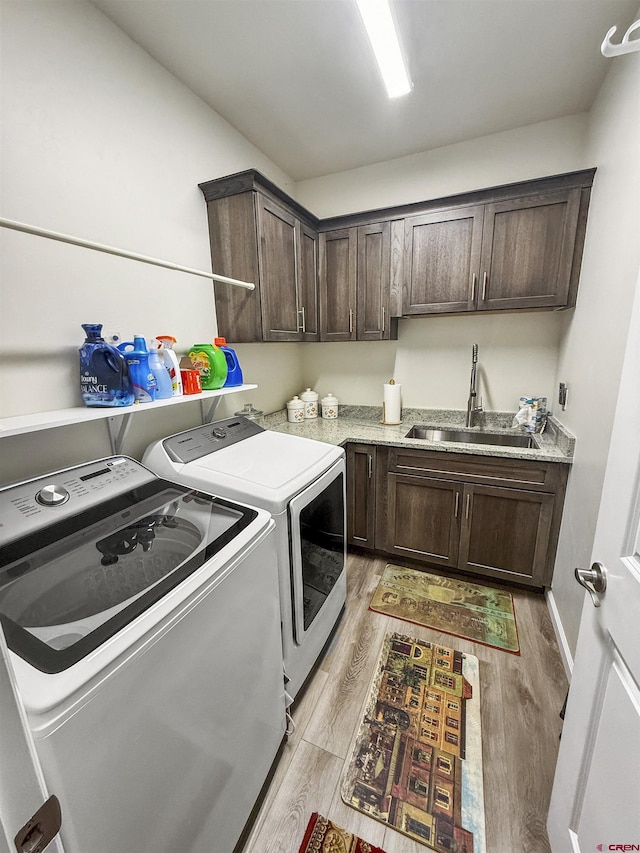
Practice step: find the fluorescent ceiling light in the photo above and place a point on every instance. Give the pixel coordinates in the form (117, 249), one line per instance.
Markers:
(381, 30)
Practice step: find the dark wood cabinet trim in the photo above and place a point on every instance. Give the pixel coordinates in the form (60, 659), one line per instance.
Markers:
(251, 179)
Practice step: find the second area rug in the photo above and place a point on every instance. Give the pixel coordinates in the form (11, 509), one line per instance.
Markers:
(324, 836)
(416, 762)
(455, 606)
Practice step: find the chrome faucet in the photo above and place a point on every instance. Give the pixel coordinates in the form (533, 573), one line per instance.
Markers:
(472, 409)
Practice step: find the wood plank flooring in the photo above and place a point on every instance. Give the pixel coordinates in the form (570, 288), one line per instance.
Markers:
(520, 697)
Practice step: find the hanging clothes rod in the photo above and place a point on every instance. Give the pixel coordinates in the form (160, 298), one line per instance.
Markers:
(122, 253)
(626, 45)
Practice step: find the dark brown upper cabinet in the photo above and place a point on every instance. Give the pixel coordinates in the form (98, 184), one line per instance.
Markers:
(255, 237)
(355, 284)
(442, 260)
(510, 248)
(528, 247)
(513, 254)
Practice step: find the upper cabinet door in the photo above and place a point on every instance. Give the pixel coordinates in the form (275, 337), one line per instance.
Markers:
(373, 282)
(277, 255)
(528, 251)
(308, 284)
(234, 253)
(442, 260)
(338, 272)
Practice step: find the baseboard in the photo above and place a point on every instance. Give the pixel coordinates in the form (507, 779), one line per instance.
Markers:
(563, 645)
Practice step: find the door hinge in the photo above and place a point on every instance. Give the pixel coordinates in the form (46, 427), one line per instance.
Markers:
(41, 829)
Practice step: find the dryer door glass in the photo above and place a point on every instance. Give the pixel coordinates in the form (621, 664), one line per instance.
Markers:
(322, 544)
(68, 588)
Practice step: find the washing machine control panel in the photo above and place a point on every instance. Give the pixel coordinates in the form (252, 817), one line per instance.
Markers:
(201, 441)
(25, 507)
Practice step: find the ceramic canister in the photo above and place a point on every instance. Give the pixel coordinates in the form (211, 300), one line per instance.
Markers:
(329, 406)
(295, 411)
(310, 400)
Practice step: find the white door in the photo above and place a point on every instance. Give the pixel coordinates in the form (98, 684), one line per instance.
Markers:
(595, 803)
(22, 787)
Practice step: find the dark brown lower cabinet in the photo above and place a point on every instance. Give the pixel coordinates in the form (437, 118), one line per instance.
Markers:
(423, 518)
(361, 494)
(495, 518)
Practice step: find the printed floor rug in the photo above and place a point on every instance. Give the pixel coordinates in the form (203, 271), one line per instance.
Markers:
(324, 836)
(451, 605)
(416, 761)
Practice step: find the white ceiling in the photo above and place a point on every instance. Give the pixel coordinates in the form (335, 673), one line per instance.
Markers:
(297, 77)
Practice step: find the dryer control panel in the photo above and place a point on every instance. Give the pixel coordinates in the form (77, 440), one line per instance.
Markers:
(201, 441)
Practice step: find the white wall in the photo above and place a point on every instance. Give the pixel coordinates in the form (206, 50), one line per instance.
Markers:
(98, 141)
(592, 346)
(547, 148)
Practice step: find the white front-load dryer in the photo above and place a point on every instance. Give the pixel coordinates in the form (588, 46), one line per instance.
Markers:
(301, 482)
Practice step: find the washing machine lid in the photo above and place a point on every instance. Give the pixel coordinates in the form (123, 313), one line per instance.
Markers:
(76, 579)
(266, 470)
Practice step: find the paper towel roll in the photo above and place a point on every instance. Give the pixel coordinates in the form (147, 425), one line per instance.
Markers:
(391, 404)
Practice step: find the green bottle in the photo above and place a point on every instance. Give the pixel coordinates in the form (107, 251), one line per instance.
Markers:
(209, 360)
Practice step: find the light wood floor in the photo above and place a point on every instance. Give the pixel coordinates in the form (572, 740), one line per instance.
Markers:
(520, 702)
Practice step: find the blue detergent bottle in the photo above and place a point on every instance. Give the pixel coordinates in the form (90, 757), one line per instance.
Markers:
(234, 371)
(104, 375)
(159, 369)
(137, 357)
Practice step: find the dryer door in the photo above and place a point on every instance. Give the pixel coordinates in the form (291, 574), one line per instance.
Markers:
(318, 549)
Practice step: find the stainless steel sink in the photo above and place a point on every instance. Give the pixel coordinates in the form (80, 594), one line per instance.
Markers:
(470, 436)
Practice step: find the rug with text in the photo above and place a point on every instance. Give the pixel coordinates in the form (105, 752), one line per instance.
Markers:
(455, 606)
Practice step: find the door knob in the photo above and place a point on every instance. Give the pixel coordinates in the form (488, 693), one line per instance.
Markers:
(594, 580)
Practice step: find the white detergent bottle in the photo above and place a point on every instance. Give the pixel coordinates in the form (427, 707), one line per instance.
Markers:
(156, 363)
(171, 363)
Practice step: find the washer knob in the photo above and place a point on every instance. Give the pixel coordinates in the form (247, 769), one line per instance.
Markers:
(52, 495)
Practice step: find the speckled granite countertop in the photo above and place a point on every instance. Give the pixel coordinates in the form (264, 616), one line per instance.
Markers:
(362, 424)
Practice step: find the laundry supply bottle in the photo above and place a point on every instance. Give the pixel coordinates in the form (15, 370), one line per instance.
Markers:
(104, 374)
(137, 356)
(164, 389)
(209, 361)
(171, 363)
(234, 371)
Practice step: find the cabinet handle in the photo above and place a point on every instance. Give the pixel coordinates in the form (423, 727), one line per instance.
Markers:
(474, 279)
(383, 318)
(303, 327)
(466, 512)
(350, 321)
(370, 462)
(455, 512)
(485, 278)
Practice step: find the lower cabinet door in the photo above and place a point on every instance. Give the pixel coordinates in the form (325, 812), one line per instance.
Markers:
(361, 495)
(423, 520)
(505, 533)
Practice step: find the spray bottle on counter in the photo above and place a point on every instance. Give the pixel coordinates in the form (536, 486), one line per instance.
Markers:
(171, 363)
(164, 389)
(137, 356)
(104, 374)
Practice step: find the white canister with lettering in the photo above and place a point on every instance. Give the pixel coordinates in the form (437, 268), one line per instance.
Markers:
(310, 400)
(295, 411)
(329, 406)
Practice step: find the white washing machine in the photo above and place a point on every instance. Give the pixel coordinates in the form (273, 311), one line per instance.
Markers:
(302, 484)
(143, 622)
